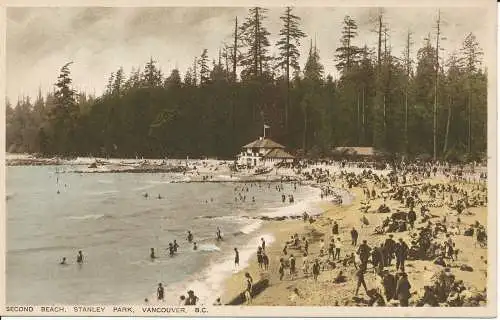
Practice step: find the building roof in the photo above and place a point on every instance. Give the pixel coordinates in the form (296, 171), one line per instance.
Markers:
(360, 151)
(264, 143)
(278, 154)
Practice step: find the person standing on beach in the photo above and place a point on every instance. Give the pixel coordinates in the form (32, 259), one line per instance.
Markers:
(389, 247)
(263, 244)
(364, 254)
(236, 258)
(360, 275)
(378, 258)
(292, 266)
(335, 228)
(282, 268)
(331, 250)
(315, 270)
(354, 236)
(160, 292)
(389, 283)
(259, 257)
(321, 247)
(403, 290)
(305, 265)
(248, 288)
(401, 254)
(338, 246)
(265, 260)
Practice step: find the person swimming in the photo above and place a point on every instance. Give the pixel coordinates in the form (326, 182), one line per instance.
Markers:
(159, 197)
(152, 254)
(195, 247)
(63, 261)
(145, 195)
(219, 234)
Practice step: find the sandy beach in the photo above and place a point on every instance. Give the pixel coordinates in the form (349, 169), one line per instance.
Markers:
(325, 292)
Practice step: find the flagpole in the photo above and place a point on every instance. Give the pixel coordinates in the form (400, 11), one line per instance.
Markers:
(264, 131)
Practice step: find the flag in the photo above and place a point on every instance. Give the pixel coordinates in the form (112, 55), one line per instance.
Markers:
(266, 126)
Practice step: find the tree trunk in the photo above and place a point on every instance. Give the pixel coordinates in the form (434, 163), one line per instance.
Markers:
(379, 41)
(406, 119)
(469, 130)
(358, 133)
(363, 118)
(287, 73)
(445, 148)
(304, 141)
(235, 48)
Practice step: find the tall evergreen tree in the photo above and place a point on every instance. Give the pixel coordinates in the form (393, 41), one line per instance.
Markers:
(255, 37)
(174, 80)
(313, 70)
(471, 62)
(204, 69)
(347, 54)
(288, 46)
(118, 82)
(152, 77)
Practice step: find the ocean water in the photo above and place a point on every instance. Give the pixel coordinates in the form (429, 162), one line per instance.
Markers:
(108, 218)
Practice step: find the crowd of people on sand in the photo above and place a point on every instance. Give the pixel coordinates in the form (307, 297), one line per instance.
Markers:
(424, 236)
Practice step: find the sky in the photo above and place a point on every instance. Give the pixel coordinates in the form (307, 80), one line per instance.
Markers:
(99, 40)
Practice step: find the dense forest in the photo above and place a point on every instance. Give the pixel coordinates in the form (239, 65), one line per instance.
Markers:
(434, 106)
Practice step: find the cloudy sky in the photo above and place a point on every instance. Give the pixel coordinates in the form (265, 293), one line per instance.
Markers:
(100, 40)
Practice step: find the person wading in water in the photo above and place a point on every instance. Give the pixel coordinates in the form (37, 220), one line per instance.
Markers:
(236, 258)
(160, 292)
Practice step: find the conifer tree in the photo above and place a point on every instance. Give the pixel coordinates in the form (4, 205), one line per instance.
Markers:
(288, 46)
(255, 38)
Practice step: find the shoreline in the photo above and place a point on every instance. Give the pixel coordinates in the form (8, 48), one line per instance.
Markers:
(327, 293)
(216, 273)
(280, 230)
